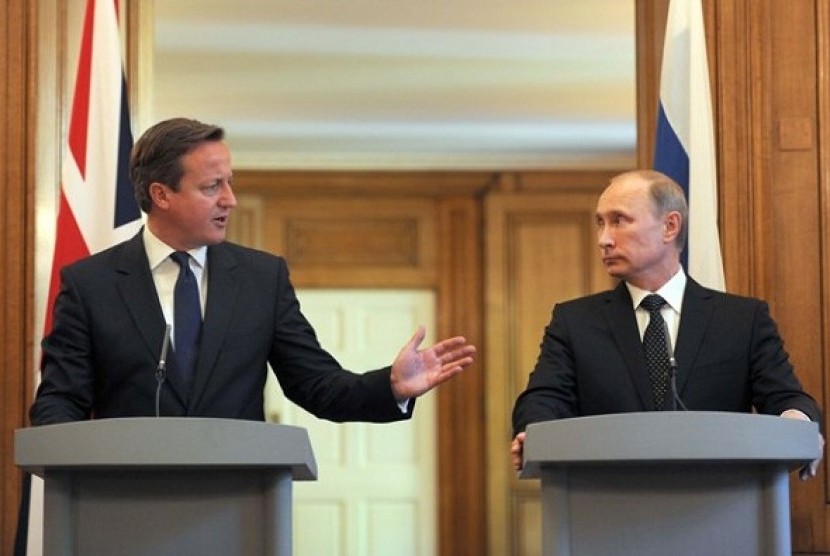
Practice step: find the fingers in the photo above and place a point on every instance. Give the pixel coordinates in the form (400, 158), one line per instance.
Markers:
(417, 338)
(450, 368)
(516, 449)
(454, 354)
(450, 356)
(461, 359)
(445, 375)
(810, 471)
(446, 346)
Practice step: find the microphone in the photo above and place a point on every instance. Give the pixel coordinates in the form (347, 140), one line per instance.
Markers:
(162, 367)
(675, 396)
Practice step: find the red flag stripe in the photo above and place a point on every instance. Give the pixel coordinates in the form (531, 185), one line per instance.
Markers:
(69, 247)
(79, 119)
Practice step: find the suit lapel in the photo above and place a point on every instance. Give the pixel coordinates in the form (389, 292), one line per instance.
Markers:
(697, 311)
(135, 284)
(619, 314)
(223, 288)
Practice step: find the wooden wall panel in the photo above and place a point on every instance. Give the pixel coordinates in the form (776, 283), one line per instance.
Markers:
(378, 241)
(541, 249)
(650, 25)
(735, 56)
(17, 44)
(787, 197)
(461, 416)
(818, 502)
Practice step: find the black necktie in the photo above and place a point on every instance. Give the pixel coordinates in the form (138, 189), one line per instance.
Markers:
(655, 345)
(187, 318)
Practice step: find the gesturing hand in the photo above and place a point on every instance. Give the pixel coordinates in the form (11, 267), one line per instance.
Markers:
(415, 372)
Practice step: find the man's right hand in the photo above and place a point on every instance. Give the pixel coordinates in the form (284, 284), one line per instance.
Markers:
(516, 449)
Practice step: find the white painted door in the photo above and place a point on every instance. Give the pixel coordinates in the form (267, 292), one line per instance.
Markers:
(375, 494)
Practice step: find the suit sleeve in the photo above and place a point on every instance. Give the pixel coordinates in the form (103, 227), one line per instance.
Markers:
(314, 380)
(66, 388)
(551, 389)
(775, 385)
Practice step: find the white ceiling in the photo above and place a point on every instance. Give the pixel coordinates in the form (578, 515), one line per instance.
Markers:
(376, 84)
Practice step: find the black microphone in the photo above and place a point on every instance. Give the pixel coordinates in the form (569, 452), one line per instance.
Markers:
(162, 367)
(675, 396)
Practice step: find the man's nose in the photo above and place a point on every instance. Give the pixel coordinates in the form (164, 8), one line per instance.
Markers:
(228, 197)
(604, 239)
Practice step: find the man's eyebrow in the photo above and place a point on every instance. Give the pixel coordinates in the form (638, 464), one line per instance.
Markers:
(611, 213)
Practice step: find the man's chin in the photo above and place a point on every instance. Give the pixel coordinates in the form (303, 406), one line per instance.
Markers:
(215, 239)
(615, 271)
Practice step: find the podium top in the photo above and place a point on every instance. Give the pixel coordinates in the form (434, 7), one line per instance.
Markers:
(694, 437)
(165, 442)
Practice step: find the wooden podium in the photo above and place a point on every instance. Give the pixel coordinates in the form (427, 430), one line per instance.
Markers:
(166, 486)
(658, 483)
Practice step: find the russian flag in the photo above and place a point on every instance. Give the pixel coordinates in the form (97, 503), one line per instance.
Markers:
(685, 140)
(97, 207)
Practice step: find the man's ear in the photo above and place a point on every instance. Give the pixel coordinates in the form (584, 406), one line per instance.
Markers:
(158, 195)
(671, 225)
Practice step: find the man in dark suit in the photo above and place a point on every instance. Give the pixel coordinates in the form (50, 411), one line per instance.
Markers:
(114, 309)
(728, 354)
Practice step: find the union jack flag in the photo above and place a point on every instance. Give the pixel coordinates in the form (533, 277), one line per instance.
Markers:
(97, 208)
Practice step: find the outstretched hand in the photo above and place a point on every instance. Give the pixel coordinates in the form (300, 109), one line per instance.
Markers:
(417, 371)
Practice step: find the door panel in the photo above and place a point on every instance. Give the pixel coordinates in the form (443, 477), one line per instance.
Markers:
(541, 249)
(375, 494)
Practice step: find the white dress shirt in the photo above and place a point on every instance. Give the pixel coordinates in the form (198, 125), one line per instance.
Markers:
(165, 271)
(672, 292)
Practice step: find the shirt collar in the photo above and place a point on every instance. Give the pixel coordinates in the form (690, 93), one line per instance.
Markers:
(671, 291)
(158, 251)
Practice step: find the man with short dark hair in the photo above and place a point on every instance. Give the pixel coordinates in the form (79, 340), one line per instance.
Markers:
(114, 309)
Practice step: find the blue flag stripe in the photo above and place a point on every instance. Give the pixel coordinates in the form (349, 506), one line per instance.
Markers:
(671, 159)
(126, 207)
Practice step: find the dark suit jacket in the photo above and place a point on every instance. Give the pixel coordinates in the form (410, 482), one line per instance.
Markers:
(99, 360)
(728, 351)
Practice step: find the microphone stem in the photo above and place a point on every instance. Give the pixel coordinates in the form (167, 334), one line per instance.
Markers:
(159, 382)
(161, 368)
